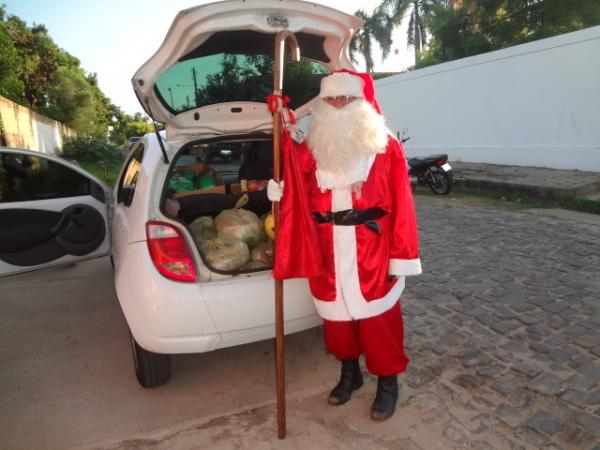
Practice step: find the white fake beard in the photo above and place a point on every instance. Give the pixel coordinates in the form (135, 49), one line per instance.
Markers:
(341, 138)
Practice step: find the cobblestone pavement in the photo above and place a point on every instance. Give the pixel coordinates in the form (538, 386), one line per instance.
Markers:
(503, 328)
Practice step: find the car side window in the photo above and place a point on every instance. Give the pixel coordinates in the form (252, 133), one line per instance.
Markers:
(24, 177)
(130, 175)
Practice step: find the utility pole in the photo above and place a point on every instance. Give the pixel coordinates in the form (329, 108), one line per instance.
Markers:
(195, 86)
(171, 96)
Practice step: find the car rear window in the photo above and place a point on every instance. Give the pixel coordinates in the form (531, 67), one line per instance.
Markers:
(226, 70)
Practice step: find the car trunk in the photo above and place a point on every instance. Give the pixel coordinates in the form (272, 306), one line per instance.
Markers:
(215, 69)
(217, 188)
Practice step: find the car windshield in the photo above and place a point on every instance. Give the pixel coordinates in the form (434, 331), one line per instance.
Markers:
(227, 77)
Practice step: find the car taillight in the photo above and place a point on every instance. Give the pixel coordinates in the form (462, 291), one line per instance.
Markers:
(169, 252)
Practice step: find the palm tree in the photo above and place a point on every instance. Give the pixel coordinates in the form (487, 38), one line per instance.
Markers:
(377, 27)
(417, 29)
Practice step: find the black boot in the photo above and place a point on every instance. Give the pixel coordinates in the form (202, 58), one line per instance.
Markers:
(350, 380)
(385, 400)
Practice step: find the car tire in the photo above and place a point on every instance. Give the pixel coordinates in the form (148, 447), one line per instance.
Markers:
(151, 369)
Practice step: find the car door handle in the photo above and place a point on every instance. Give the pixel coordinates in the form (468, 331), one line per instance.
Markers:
(65, 219)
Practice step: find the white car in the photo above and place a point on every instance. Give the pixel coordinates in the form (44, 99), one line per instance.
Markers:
(208, 84)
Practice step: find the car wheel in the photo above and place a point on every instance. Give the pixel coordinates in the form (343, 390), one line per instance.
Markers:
(151, 369)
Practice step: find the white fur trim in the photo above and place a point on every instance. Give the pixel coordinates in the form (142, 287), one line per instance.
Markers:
(341, 83)
(337, 310)
(404, 267)
(332, 180)
(350, 304)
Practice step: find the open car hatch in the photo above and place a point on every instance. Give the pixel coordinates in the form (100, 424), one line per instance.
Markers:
(214, 70)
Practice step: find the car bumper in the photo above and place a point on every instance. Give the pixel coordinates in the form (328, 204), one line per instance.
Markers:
(165, 316)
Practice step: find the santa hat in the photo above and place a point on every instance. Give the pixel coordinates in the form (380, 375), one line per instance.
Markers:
(350, 83)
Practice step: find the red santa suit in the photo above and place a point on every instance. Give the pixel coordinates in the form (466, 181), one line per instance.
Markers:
(360, 278)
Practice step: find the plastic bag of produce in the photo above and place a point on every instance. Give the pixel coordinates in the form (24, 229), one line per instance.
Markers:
(181, 183)
(253, 265)
(262, 253)
(203, 228)
(225, 255)
(239, 224)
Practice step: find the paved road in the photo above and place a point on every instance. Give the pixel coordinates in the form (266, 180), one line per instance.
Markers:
(503, 331)
(505, 327)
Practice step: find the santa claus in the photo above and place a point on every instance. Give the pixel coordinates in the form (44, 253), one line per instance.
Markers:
(351, 181)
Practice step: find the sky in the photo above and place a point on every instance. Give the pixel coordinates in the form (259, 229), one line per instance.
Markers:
(113, 38)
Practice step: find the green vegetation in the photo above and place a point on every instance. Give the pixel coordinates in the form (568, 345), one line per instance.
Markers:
(97, 156)
(125, 126)
(107, 173)
(444, 30)
(418, 11)
(580, 204)
(36, 73)
(480, 26)
(512, 203)
(377, 27)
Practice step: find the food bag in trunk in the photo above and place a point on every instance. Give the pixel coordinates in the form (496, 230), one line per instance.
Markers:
(225, 255)
(203, 228)
(239, 224)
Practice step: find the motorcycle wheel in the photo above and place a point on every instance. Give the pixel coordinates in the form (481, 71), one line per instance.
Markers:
(440, 182)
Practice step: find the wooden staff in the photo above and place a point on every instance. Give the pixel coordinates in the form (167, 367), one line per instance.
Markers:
(280, 40)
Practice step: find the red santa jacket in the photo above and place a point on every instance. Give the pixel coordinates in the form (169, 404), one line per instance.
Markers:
(354, 272)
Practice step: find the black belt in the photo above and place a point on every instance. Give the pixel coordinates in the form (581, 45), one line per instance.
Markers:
(352, 217)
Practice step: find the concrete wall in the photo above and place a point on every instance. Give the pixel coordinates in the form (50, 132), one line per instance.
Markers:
(23, 128)
(535, 104)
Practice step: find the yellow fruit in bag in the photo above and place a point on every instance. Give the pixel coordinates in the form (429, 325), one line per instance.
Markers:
(270, 226)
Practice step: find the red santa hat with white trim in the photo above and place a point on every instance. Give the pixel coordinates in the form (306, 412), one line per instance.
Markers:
(350, 83)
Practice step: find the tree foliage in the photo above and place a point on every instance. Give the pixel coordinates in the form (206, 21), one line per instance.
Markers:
(91, 150)
(377, 28)
(417, 11)
(11, 85)
(125, 126)
(36, 73)
(479, 26)
(252, 78)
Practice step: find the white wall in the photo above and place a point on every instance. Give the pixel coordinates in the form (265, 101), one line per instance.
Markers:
(23, 128)
(535, 104)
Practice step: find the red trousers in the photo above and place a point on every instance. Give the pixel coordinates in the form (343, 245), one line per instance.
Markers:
(381, 338)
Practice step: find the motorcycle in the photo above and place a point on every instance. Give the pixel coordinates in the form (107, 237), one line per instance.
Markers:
(433, 171)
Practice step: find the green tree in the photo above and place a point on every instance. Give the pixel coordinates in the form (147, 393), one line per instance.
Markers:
(36, 73)
(377, 28)
(483, 25)
(38, 58)
(10, 63)
(124, 126)
(417, 10)
(72, 100)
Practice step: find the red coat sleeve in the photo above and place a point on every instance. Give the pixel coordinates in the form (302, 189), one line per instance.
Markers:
(404, 250)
